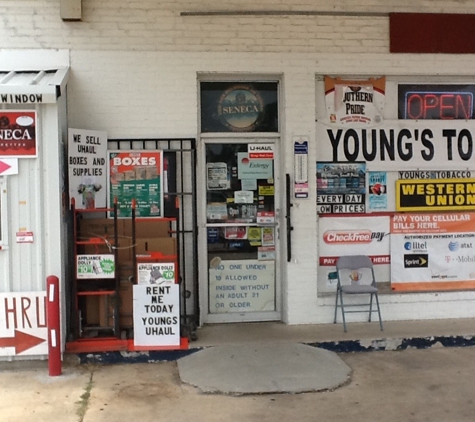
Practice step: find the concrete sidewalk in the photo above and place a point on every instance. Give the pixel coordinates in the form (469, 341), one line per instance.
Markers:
(411, 385)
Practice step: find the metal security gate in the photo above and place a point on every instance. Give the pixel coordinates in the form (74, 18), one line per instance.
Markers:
(179, 203)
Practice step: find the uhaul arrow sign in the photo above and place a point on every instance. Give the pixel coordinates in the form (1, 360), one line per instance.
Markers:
(8, 166)
(23, 324)
(21, 341)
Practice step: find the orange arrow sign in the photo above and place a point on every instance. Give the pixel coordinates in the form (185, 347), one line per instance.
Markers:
(21, 341)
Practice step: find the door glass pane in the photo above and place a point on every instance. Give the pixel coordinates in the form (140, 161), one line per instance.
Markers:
(241, 244)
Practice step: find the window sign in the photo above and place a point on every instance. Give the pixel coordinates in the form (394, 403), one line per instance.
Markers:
(242, 286)
(438, 102)
(18, 134)
(239, 107)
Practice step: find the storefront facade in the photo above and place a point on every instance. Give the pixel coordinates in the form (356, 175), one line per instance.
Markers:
(148, 71)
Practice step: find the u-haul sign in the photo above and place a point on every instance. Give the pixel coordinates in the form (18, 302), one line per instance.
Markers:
(261, 151)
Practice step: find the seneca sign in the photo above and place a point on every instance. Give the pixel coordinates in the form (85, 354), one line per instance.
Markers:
(411, 144)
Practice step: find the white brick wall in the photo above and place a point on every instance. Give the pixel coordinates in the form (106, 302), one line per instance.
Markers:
(134, 70)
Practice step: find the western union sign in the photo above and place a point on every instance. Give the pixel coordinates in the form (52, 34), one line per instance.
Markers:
(435, 194)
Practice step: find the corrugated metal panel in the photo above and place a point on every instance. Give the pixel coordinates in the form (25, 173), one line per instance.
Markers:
(39, 86)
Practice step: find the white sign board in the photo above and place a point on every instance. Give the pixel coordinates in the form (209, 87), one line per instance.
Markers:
(401, 144)
(242, 286)
(87, 167)
(156, 273)
(23, 328)
(156, 315)
(8, 166)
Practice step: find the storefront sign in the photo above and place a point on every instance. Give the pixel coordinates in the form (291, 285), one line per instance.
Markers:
(156, 315)
(341, 188)
(354, 103)
(18, 134)
(95, 266)
(87, 151)
(352, 236)
(23, 328)
(242, 286)
(399, 144)
(137, 175)
(156, 273)
(435, 194)
(433, 251)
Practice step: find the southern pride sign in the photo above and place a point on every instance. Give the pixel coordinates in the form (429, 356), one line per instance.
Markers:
(401, 144)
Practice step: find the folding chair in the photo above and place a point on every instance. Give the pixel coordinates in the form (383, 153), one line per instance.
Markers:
(356, 277)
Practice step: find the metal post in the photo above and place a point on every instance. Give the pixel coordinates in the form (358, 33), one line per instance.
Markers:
(54, 327)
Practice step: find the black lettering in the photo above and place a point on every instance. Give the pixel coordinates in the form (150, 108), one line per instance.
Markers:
(369, 156)
(449, 134)
(426, 137)
(386, 145)
(351, 134)
(406, 153)
(464, 133)
(334, 142)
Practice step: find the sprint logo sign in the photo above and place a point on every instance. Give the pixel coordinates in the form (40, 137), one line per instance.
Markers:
(416, 261)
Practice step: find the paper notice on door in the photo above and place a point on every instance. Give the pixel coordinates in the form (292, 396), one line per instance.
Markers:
(243, 197)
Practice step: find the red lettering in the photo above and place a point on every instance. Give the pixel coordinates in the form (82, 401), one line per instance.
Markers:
(11, 311)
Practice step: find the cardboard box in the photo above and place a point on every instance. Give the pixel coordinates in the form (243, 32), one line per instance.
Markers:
(97, 227)
(165, 245)
(91, 316)
(155, 227)
(125, 307)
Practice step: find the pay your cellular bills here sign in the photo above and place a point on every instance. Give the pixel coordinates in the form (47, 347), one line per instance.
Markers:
(433, 251)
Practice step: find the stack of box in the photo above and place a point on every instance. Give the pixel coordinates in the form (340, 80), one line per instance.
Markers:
(152, 235)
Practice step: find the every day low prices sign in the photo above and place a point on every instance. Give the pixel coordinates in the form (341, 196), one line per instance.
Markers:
(352, 236)
(242, 286)
(137, 175)
(433, 251)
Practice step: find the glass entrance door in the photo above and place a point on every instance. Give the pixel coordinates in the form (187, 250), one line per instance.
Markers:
(242, 231)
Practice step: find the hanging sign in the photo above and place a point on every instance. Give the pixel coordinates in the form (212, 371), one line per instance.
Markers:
(156, 273)
(18, 134)
(254, 169)
(87, 151)
(301, 167)
(136, 175)
(157, 315)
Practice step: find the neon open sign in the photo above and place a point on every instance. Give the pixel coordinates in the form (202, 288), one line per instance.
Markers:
(447, 102)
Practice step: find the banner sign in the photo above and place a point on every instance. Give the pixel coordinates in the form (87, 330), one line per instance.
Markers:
(341, 188)
(352, 236)
(18, 134)
(408, 144)
(242, 286)
(433, 251)
(137, 175)
(355, 103)
(87, 150)
(435, 194)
